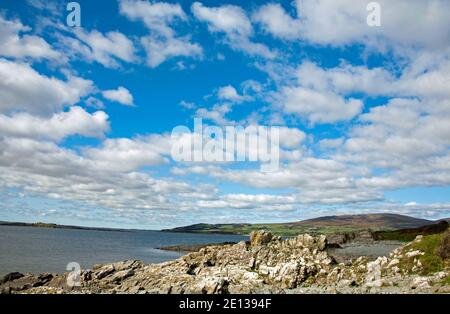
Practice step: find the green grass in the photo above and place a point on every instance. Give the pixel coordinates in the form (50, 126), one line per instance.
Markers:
(277, 229)
(431, 262)
(445, 281)
(396, 236)
(410, 234)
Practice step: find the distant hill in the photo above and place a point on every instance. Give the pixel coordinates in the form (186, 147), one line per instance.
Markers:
(373, 221)
(56, 226)
(410, 233)
(326, 224)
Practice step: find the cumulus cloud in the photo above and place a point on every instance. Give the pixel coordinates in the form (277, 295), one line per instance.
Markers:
(156, 16)
(125, 154)
(401, 142)
(344, 22)
(228, 18)
(17, 45)
(399, 135)
(276, 21)
(327, 95)
(162, 43)
(318, 106)
(291, 137)
(42, 168)
(229, 93)
(260, 202)
(235, 24)
(216, 114)
(415, 80)
(159, 50)
(22, 88)
(315, 180)
(76, 121)
(187, 105)
(120, 95)
(106, 49)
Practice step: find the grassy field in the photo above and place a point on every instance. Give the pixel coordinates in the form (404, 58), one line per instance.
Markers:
(407, 235)
(319, 225)
(277, 229)
(431, 261)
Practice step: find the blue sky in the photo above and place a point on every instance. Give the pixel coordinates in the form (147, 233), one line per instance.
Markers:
(86, 112)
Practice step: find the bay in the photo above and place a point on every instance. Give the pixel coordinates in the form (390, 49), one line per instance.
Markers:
(37, 250)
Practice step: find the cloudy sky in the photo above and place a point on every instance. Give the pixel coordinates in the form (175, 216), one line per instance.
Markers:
(86, 112)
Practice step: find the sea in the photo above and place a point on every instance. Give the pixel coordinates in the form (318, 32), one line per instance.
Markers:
(38, 250)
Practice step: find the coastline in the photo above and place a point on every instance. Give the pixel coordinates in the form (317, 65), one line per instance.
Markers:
(39, 250)
(57, 226)
(188, 248)
(264, 264)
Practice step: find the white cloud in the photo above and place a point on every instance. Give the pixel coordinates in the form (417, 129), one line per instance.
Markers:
(216, 114)
(330, 143)
(325, 95)
(158, 51)
(401, 143)
(95, 103)
(233, 21)
(228, 18)
(251, 86)
(415, 80)
(13, 44)
(318, 106)
(162, 43)
(105, 49)
(229, 93)
(187, 105)
(42, 168)
(276, 21)
(404, 23)
(76, 121)
(125, 154)
(120, 95)
(156, 16)
(259, 202)
(401, 134)
(22, 88)
(315, 180)
(291, 137)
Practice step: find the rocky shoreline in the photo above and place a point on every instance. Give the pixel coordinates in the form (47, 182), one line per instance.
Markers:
(187, 248)
(265, 264)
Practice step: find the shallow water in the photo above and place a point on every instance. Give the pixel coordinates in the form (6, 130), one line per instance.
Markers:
(37, 250)
(373, 249)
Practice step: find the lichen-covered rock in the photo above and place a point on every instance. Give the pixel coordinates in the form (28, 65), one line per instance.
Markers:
(258, 238)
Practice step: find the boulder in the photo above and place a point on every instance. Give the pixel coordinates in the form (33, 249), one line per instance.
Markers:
(104, 271)
(121, 275)
(258, 238)
(11, 277)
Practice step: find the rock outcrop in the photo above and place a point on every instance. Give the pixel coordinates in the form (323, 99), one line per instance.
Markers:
(265, 264)
(338, 238)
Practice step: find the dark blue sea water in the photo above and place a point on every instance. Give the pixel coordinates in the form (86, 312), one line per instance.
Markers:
(31, 249)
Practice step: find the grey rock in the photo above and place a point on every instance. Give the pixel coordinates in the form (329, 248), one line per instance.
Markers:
(104, 271)
(11, 277)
